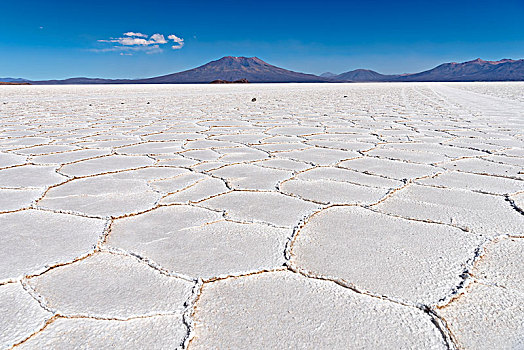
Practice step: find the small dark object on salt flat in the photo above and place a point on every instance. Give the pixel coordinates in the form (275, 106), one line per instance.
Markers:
(253, 99)
(220, 81)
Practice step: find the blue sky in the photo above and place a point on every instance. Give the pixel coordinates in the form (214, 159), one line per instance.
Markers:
(59, 39)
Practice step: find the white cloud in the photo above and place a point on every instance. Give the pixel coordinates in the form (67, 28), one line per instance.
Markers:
(132, 41)
(158, 38)
(177, 40)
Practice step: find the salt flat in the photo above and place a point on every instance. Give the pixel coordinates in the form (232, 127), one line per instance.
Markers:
(370, 216)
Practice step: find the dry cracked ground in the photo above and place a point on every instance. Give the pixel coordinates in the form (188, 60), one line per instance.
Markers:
(369, 216)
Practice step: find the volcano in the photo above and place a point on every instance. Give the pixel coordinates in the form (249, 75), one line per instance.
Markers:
(236, 68)
(227, 68)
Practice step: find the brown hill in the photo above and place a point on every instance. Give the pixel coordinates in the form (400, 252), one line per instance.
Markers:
(12, 83)
(219, 81)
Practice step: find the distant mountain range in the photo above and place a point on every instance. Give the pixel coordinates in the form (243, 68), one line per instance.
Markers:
(255, 70)
(13, 80)
(476, 70)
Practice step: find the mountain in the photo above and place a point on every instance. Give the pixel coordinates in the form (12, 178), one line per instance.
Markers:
(235, 68)
(13, 80)
(476, 70)
(363, 75)
(227, 68)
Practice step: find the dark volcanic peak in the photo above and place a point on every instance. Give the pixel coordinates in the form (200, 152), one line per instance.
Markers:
(228, 68)
(231, 68)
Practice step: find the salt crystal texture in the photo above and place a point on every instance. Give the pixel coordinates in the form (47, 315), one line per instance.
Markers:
(323, 216)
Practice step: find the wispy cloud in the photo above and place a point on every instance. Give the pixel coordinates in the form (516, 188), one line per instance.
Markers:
(136, 34)
(134, 42)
